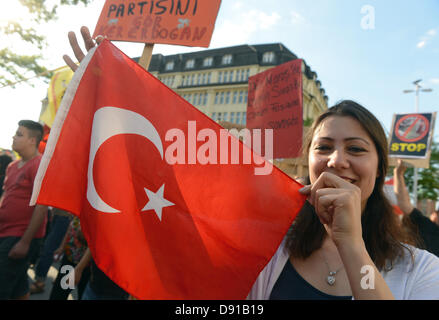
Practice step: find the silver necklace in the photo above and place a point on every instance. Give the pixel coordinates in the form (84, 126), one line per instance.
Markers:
(330, 279)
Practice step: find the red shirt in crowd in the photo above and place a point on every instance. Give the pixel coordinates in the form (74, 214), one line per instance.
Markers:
(15, 212)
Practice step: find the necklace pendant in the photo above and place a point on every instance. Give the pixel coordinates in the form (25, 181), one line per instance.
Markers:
(331, 280)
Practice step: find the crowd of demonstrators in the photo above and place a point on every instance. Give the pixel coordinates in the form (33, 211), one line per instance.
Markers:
(23, 233)
(347, 229)
(22, 227)
(427, 230)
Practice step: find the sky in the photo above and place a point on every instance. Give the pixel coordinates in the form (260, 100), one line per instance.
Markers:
(368, 51)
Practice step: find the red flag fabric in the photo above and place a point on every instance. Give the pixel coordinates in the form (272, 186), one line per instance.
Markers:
(161, 221)
(391, 196)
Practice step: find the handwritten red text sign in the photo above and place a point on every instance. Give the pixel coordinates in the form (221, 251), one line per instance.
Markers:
(179, 22)
(275, 102)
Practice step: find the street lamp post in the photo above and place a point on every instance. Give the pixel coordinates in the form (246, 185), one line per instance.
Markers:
(415, 170)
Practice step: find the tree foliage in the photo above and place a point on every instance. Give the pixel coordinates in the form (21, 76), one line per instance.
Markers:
(14, 65)
(428, 179)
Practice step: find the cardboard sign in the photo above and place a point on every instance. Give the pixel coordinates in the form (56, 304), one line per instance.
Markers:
(179, 22)
(275, 102)
(411, 135)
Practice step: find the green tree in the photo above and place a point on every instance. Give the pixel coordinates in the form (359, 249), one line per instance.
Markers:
(14, 65)
(428, 179)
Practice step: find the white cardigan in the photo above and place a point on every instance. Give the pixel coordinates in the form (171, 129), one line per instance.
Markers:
(406, 281)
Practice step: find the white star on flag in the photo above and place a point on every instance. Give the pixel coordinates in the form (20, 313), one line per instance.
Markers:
(156, 201)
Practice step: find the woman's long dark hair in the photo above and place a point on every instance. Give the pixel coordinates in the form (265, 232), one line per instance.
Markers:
(382, 233)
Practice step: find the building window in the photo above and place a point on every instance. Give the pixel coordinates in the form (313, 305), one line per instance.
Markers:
(232, 73)
(241, 117)
(192, 79)
(232, 117)
(227, 59)
(205, 99)
(220, 77)
(247, 75)
(227, 97)
(226, 76)
(169, 66)
(241, 97)
(221, 100)
(238, 75)
(214, 116)
(204, 78)
(190, 64)
(219, 117)
(209, 77)
(196, 99)
(235, 97)
(216, 98)
(245, 96)
(238, 117)
(207, 62)
(268, 57)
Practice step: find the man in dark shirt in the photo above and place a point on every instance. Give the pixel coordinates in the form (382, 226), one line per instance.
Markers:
(428, 231)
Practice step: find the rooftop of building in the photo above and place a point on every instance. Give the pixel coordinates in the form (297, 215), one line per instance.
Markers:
(242, 55)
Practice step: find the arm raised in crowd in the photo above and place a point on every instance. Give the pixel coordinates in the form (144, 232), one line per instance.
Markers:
(79, 54)
(400, 189)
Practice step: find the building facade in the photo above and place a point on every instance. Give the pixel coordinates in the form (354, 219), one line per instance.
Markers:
(216, 80)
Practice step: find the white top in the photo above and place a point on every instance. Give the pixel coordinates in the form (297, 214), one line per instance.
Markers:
(406, 281)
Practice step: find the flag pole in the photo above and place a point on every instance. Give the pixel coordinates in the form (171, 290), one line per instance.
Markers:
(145, 59)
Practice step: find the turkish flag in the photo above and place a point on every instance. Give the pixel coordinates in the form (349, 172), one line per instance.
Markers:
(160, 220)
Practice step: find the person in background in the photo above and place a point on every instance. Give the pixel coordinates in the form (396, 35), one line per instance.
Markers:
(4, 162)
(99, 286)
(21, 226)
(427, 230)
(70, 252)
(60, 221)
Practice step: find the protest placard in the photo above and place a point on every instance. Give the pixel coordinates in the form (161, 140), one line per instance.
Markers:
(275, 102)
(411, 136)
(178, 22)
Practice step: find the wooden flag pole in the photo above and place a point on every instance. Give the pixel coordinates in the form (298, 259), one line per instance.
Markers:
(145, 59)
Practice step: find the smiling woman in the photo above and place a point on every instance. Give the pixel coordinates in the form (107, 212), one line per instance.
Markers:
(346, 242)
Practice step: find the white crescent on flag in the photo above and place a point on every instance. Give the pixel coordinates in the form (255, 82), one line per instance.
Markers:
(109, 122)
